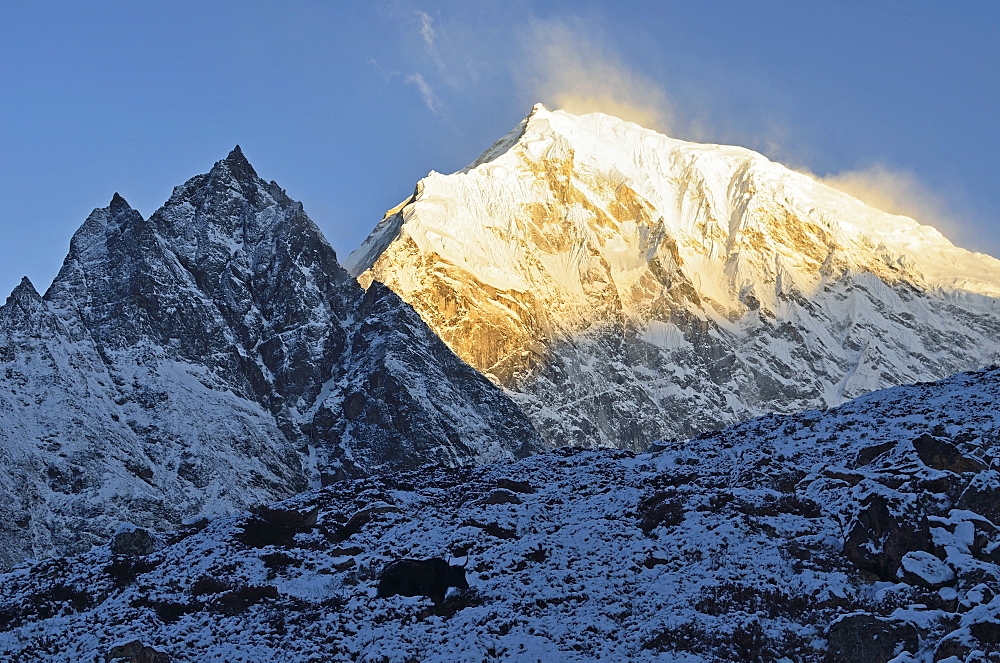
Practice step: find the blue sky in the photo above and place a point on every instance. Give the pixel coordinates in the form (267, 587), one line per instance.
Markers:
(348, 104)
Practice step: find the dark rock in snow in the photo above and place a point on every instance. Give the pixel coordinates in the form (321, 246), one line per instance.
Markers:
(134, 543)
(868, 454)
(983, 496)
(516, 486)
(988, 633)
(883, 531)
(941, 455)
(954, 645)
(864, 638)
(502, 496)
(136, 652)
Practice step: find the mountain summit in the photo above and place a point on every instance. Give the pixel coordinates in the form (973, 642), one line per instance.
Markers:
(213, 357)
(624, 286)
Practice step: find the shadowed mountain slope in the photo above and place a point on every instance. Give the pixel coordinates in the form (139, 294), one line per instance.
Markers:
(214, 356)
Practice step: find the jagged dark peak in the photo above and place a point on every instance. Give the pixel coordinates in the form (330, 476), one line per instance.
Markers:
(25, 291)
(90, 239)
(238, 165)
(118, 204)
(232, 174)
(23, 303)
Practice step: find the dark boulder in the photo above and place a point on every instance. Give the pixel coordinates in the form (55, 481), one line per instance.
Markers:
(663, 508)
(987, 633)
(954, 644)
(869, 454)
(941, 455)
(134, 543)
(136, 652)
(524, 487)
(864, 638)
(502, 496)
(983, 496)
(883, 532)
(276, 527)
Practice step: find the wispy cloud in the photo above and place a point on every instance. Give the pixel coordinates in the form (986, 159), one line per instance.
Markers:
(387, 74)
(431, 100)
(430, 37)
(427, 29)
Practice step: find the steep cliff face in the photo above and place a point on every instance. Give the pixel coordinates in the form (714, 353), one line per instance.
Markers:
(212, 357)
(624, 286)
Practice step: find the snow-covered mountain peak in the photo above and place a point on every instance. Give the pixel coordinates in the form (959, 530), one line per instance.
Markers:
(795, 220)
(101, 223)
(573, 228)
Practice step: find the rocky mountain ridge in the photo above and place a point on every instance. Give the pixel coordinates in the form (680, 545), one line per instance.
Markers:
(623, 286)
(212, 357)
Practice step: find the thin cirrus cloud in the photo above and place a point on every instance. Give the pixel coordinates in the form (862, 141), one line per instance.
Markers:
(431, 100)
(429, 37)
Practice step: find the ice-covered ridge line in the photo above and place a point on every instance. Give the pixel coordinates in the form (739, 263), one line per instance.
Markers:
(662, 170)
(634, 150)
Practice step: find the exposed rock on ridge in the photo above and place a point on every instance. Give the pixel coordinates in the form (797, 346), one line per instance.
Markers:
(216, 356)
(624, 286)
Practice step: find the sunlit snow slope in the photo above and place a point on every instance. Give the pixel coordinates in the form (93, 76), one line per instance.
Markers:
(624, 286)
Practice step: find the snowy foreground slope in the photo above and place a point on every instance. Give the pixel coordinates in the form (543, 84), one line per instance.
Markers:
(863, 533)
(624, 286)
(213, 357)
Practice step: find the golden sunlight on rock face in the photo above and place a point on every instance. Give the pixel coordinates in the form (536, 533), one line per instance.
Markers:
(504, 332)
(585, 246)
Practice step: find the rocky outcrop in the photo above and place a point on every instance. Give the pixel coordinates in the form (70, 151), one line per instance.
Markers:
(134, 542)
(944, 456)
(983, 495)
(136, 652)
(884, 531)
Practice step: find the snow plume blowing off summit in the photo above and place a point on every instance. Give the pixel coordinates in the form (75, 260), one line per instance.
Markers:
(576, 72)
(624, 286)
(567, 65)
